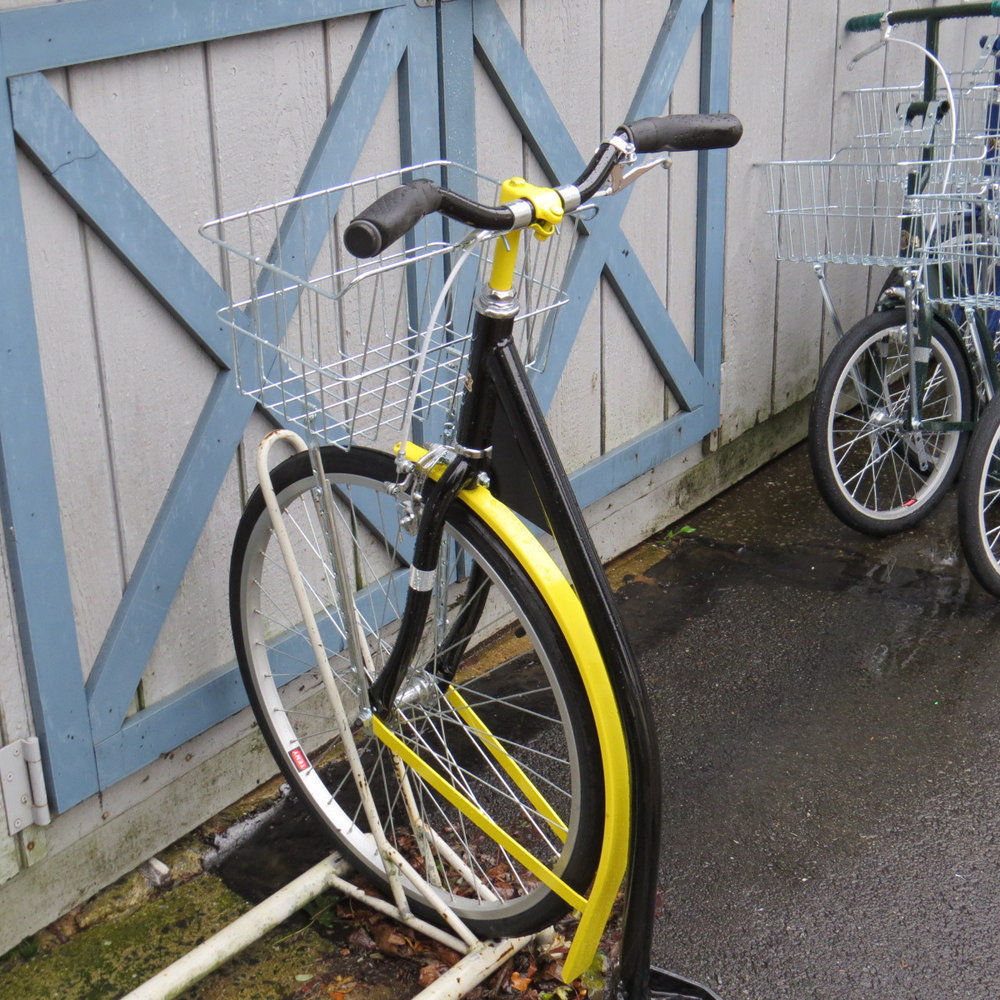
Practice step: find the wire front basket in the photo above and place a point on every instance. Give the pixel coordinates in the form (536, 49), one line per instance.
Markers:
(962, 263)
(963, 122)
(851, 209)
(348, 350)
(911, 140)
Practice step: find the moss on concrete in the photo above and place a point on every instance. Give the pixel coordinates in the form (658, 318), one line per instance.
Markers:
(115, 955)
(111, 958)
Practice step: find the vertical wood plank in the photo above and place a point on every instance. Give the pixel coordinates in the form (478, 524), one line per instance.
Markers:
(269, 95)
(851, 286)
(632, 388)
(71, 365)
(500, 147)
(809, 69)
(759, 42)
(563, 42)
(15, 720)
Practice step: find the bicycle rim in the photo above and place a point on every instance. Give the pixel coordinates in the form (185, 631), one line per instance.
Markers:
(979, 503)
(512, 734)
(876, 473)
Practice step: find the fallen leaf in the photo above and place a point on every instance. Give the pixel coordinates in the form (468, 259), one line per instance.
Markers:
(362, 939)
(445, 954)
(391, 942)
(519, 982)
(430, 972)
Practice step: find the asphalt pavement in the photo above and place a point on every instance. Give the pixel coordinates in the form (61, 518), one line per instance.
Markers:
(829, 716)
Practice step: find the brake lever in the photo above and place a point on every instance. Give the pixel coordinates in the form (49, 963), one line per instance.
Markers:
(621, 178)
(884, 40)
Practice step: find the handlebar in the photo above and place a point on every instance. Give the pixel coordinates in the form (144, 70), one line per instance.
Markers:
(680, 133)
(394, 214)
(872, 22)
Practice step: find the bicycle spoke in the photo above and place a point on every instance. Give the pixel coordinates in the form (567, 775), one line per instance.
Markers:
(499, 733)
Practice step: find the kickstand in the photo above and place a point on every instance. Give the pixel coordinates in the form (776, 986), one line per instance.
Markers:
(665, 985)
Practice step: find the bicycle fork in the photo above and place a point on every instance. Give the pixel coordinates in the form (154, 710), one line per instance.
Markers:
(918, 335)
(423, 578)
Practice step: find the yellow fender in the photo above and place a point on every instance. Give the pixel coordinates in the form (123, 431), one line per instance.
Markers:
(565, 606)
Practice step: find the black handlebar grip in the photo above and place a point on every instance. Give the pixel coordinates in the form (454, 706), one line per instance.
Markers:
(676, 133)
(388, 218)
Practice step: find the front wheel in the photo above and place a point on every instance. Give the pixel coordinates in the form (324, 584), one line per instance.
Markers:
(978, 495)
(492, 701)
(876, 473)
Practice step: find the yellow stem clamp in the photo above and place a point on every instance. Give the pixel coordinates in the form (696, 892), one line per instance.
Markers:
(548, 211)
(545, 201)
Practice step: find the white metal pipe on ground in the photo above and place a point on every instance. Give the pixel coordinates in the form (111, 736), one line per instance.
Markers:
(243, 931)
(473, 968)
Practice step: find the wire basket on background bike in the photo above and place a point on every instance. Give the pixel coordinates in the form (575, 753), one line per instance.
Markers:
(348, 350)
(963, 118)
(962, 266)
(857, 207)
(852, 208)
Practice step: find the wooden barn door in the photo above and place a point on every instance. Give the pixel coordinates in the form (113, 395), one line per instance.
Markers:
(119, 416)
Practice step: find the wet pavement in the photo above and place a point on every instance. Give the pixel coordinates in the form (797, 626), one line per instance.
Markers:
(829, 716)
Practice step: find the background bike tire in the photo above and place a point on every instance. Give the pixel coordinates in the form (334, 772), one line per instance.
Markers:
(980, 479)
(538, 907)
(918, 498)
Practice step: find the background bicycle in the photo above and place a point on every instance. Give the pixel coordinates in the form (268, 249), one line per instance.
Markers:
(902, 388)
(972, 257)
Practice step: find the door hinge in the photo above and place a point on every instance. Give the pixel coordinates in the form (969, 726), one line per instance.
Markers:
(429, 3)
(22, 785)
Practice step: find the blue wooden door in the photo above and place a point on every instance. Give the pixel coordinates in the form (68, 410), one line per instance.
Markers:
(92, 734)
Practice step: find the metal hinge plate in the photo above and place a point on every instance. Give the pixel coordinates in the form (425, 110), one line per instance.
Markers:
(22, 786)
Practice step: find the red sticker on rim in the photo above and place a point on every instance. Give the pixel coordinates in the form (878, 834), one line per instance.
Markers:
(299, 759)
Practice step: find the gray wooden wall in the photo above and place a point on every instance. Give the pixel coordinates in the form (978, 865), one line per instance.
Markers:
(207, 129)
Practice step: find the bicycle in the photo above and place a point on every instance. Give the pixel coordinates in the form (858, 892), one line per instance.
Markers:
(460, 710)
(901, 390)
(973, 256)
(978, 490)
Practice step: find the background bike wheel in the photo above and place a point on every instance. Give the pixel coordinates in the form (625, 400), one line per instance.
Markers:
(978, 495)
(541, 782)
(877, 476)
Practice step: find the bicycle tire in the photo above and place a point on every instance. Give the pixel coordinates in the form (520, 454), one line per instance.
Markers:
(978, 492)
(875, 476)
(522, 681)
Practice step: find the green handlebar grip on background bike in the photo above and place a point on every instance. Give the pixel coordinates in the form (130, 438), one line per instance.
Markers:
(872, 22)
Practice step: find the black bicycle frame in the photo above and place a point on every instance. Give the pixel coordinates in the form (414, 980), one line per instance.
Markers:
(536, 460)
(502, 431)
